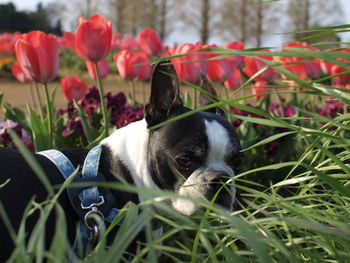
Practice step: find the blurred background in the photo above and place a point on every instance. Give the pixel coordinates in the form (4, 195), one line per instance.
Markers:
(256, 22)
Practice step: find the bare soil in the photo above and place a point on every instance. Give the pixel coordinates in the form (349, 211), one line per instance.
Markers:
(20, 95)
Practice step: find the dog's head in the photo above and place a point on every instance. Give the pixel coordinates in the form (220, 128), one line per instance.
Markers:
(193, 156)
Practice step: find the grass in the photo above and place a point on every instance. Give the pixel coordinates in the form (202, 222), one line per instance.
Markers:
(295, 210)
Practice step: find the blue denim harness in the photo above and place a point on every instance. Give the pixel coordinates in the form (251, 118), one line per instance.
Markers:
(85, 202)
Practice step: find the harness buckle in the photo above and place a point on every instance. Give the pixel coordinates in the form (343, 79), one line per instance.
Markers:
(91, 206)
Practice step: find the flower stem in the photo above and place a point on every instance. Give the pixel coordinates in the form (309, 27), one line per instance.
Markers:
(39, 100)
(102, 101)
(49, 114)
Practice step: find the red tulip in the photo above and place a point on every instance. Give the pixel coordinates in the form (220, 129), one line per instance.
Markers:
(93, 38)
(235, 80)
(103, 69)
(67, 41)
(142, 71)
(258, 88)
(124, 62)
(7, 42)
(73, 88)
(236, 61)
(128, 65)
(129, 43)
(116, 39)
(37, 54)
(342, 79)
(219, 69)
(190, 71)
(253, 65)
(297, 65)
(18, 73)
(330, 69)
(149, 42)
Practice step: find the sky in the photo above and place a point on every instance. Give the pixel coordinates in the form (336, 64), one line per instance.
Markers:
(31, 5)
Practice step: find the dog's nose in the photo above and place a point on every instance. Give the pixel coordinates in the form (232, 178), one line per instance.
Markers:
(216, 180)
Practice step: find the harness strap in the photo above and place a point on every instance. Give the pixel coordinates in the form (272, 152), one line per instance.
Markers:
(90, 197)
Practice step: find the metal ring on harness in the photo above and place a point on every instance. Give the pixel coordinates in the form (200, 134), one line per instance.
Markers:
(94, 215)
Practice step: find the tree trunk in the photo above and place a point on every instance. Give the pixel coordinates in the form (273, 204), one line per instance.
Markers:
(243, 35)
(259, 22)
(120, 8)
(163, 20)
(204, 30)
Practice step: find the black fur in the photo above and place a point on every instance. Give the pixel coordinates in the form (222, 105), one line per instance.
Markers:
(24, 185)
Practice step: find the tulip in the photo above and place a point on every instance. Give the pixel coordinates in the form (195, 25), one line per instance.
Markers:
(235, 80)
(7, 42)
(190, 71)
(142, 69)
(258, 88)
(297, 65)
(116, 39)
(93, 38)
(103, 69)
(73, 88)
(342, 79)
(219, 69)
(67, 41)
(253, 65)
(132, 65)
(18, 73)
(124, 61)
(37, 54)
(236, 61)
(149, 42)
(129, 43)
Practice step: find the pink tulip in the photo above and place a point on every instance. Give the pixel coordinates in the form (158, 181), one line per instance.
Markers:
(103, 69)
(253, 65)
(219, 69)
(18, 73)
(258, 88)
(236, 61)
(73, 88)
(93, 38)
(149, 42)
(190, 71)
(37, 54)
(129, 43)
(235, 80)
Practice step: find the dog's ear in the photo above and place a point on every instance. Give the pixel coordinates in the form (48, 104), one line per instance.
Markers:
(165, 93)
(210, 97)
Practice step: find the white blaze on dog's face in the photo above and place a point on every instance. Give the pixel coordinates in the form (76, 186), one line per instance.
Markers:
(215, 171)
(192, 156)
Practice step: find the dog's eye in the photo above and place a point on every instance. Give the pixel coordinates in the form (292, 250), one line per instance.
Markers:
(184, 161)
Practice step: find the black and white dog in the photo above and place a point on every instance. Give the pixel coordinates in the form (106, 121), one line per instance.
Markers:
(202, 149)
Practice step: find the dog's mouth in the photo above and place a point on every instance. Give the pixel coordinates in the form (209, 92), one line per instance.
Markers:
(220, 195)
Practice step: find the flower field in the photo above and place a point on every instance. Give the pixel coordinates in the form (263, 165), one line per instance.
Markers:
(290, 108)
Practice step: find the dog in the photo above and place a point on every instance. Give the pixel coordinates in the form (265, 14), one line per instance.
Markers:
(192, 156)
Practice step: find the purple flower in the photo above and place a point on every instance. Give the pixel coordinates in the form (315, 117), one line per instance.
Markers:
(73, 126)
(5, 138)
(289, 111)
